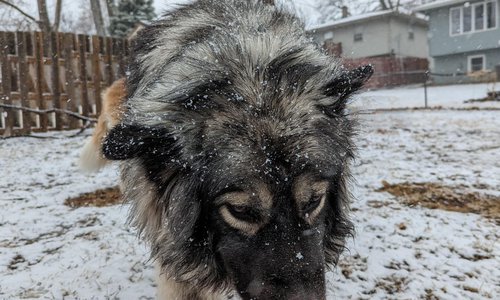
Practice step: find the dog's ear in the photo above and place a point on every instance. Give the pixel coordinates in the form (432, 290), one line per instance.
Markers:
(126, 141)
(344, 85)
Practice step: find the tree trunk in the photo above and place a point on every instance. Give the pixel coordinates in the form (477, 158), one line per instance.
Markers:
(110, 5)
(44, 24)
(57, 19)
(43, 16)
(95, 6)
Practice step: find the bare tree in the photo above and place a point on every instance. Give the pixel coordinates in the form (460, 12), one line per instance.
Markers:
(13, 18)
(95, 6)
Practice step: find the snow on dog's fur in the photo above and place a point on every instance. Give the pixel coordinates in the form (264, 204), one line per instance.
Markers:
(91, 157)
(235, 149)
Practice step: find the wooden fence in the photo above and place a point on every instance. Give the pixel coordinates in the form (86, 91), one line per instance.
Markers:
(85, 65)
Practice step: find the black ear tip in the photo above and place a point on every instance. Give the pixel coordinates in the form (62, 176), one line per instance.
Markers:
(368, 69)
(365, 72)
(115, 143)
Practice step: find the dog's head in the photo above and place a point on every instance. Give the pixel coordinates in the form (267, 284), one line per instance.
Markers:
(236, 146)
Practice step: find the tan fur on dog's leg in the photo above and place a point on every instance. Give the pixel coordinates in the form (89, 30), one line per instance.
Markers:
(91, 157)
(169, 289)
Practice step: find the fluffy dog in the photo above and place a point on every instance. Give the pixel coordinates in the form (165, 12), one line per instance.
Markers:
(235, 150)
(91, 157)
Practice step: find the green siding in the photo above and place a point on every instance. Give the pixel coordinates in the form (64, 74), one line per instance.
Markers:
(458, 63)
(441, 43)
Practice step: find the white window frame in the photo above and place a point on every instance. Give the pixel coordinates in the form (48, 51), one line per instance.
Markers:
(473, 16)
(469, 62)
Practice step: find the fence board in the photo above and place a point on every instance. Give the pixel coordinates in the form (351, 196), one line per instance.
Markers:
(82, 53)
(40, 82)
(6, 84)
(96, 71)
(68, 42)
(108, 67)
(55, 78)
(23, 80)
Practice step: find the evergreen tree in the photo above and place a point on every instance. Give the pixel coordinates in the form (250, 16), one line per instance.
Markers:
(128, 13)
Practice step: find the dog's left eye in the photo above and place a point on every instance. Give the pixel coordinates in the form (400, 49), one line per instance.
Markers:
(313, 203)
(244, 213)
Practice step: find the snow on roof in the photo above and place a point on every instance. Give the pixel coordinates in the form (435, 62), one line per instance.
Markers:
(438, 4)
(363, 17)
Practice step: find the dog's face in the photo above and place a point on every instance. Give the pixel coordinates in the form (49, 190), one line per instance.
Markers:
(269, 235)
(261, 201)
(236, 146)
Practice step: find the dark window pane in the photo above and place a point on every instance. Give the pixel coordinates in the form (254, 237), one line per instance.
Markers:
(479, 17)
(455, 21)
(467, 19)
(491, 21)
(477, 64)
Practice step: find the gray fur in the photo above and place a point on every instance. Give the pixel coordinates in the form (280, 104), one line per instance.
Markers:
(232, 83)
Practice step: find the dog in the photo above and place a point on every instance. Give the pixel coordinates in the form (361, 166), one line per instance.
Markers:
(91, 158)
(235, 148)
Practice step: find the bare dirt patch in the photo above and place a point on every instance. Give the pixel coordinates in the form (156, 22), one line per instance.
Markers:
(99, 198)
(436, 196)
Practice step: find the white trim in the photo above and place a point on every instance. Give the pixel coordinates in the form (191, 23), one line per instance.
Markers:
(469, 62)
(473, 16)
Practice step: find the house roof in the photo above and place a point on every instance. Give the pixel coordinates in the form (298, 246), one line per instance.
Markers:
(438, 4)
(364, 18)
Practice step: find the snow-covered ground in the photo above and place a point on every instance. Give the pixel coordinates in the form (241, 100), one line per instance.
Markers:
(451, 96)
(51, 251)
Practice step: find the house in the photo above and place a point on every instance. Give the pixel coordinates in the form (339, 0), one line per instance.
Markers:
(464, 39)
(393, 41)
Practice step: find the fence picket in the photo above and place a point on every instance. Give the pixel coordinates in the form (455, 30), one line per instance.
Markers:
(96, 71)
(5, 96)
(39, 80)
(71, 103)
(23, 80)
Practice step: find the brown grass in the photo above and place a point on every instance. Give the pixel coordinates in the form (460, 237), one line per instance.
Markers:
(436, 196)
(99, 198)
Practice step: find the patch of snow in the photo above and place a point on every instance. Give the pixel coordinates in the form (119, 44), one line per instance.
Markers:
(449, 96)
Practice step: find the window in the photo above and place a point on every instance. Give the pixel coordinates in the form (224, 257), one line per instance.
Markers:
(358, 37)
(477, 63)
(473, 17)
(479, 17)
(455, 16)
(491, 15)
(328, 35)
(467, 19)
(411, 35)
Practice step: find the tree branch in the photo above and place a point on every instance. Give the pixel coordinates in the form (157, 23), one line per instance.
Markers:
(47, 111)
(19, 10)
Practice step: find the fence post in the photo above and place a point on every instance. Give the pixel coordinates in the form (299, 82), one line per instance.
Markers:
(108, 67)
(55, 78)
(40, 75)
(23, 80)
(82, 49)
(425, 86)
(70, 77)
(122, 46)
(96, 72)
(6, 83)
